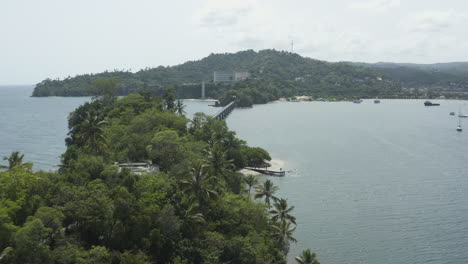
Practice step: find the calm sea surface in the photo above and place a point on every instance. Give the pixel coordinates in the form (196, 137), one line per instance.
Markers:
(379, 184)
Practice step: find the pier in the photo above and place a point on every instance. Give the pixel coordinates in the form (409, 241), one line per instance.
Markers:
(268, 172)
(223, 113)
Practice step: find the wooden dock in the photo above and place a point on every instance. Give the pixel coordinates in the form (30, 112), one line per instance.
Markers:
(268, 172)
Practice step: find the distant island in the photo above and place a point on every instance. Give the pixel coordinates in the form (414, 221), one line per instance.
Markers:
(269, 75)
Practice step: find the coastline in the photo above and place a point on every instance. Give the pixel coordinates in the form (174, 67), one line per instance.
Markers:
(201, 100)
(301, 99)
(275, 165)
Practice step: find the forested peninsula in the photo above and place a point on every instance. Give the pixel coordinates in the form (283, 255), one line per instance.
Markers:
(196, 208)
(273, 74)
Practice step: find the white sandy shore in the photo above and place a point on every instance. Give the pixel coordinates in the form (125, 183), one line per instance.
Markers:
(275, 165)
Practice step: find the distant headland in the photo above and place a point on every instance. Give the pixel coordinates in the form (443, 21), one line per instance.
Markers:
(259, 77)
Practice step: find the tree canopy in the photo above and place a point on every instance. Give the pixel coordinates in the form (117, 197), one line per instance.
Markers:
(196, 209)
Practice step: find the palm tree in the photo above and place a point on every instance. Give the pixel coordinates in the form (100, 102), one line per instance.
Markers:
(266, 190)
(218, 164)
(199, 119)
(222, 169)
(188, 214)
(197, 181)
(282, 233)
(250, 180)
(230, 141)
(91, 134)
(15, 161)
(307, 257)
(168, 98)
(179, 107)
(281, 211)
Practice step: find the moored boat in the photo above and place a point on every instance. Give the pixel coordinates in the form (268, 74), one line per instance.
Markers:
(460, 114)
(459, 128)
(428, 103)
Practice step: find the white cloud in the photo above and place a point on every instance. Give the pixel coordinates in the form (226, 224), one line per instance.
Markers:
(432, 21)
(333, 30)
(243, 23)
(222, 18)
(223, 14)
(333, 44)
(258, 24)
(376, 5)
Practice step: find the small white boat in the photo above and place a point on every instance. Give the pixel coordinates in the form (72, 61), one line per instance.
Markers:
(460, 114)
(459, 128)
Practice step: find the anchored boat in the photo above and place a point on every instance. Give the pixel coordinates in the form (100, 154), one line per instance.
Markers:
(428, 103)
(459, 128)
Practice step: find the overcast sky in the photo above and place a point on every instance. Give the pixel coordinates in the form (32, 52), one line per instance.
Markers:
(60, 38)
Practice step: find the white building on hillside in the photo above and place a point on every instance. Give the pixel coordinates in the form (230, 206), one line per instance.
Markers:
(229, 76)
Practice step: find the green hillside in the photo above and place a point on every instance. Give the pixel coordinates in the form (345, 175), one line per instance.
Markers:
(438, 76)
(274, 74)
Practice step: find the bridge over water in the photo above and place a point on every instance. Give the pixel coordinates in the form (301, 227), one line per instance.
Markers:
(223, 113)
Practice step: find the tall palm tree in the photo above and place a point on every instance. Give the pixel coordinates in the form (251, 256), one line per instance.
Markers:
(91, 134)
(222, 169)
(218, 164)
(197, 181)
(250, 180)
(307, 257)
(15, 161)
(168, 97)
(267, 190)
(282, 233)
(179, 107)
(281, 211)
